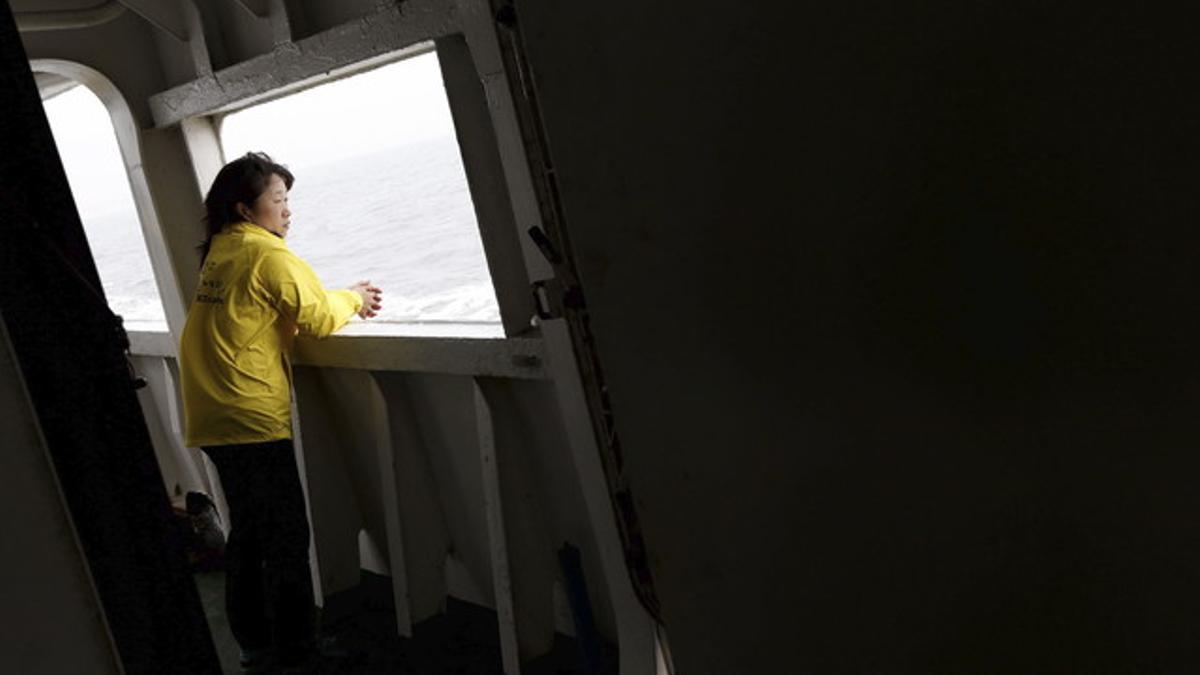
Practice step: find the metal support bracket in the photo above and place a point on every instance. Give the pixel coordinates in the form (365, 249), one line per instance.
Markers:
(166, 16)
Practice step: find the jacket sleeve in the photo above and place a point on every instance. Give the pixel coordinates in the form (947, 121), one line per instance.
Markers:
(294, 290)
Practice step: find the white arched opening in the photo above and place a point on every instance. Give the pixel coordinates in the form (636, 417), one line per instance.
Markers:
(129, 145)
(183, 469)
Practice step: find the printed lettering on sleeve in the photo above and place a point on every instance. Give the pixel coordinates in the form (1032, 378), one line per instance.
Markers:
(210, 291)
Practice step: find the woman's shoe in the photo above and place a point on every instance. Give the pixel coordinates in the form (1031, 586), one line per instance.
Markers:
(326, 656)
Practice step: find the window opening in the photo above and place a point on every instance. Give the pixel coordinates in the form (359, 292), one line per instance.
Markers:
(380, 194)
(87, 146)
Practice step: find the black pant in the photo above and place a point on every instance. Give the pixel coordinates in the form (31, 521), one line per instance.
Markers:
(268, 588)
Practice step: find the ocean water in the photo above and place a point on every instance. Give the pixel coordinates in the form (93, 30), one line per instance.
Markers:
(401, 218)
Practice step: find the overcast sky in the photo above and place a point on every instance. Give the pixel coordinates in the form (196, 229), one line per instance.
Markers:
(88, 148)
(393, 105)
(390, 106)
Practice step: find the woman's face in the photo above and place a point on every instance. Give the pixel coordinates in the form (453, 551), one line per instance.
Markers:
(270, 211)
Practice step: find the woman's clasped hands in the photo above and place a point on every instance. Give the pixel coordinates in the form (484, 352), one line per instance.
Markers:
(372, 297)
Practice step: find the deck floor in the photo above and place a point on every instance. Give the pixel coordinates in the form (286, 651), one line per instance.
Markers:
(463, 641)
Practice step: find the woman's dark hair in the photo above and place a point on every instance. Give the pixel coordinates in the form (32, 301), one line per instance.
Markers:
(238, 182)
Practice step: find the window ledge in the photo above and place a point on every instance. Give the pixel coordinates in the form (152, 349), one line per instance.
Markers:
(151, 342)
(516, 357)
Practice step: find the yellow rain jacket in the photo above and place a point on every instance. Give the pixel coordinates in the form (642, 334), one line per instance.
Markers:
(254, 296)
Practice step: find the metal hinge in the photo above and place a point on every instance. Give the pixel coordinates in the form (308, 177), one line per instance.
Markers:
(551, 298)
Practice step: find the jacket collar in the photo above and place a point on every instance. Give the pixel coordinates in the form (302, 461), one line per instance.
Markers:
(250, 229)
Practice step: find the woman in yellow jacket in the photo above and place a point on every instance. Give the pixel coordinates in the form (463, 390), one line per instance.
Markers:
(253, 298)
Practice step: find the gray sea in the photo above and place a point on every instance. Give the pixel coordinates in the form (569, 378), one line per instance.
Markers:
(401, 217)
